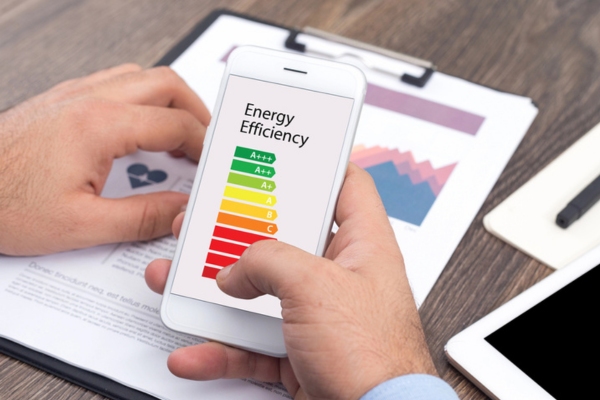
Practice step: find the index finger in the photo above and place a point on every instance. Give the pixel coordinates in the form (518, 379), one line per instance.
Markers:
(160, 86)
(150, 128)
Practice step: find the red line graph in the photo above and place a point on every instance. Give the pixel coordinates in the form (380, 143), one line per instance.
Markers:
(405, 165)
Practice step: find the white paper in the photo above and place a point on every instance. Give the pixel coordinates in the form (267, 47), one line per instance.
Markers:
(91, 308)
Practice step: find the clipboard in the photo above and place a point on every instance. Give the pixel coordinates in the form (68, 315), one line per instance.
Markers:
(89, 380)
(292, 43)
(435, 144)
(417, 75)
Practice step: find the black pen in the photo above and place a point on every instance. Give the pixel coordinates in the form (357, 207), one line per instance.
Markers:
(580, 204)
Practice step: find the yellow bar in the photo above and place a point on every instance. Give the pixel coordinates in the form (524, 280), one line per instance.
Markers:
(249, 210)
(265, 199)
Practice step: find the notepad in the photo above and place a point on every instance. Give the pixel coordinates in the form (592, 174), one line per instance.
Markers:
(526, 219)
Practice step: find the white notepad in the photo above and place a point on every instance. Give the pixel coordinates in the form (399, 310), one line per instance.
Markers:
(526, 219)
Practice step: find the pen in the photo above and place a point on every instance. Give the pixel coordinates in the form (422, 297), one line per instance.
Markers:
(580, 204)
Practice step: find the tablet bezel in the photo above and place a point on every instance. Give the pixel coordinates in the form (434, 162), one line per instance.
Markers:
(485, 366)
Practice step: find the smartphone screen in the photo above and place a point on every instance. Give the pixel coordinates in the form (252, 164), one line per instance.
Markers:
(268, 175)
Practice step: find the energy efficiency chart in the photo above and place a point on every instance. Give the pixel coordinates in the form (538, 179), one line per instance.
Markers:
(246, 213)
(408, 189)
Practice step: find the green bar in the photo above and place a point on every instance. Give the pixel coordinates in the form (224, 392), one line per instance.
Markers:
(254, 169)
(251, 182)
(255, 155)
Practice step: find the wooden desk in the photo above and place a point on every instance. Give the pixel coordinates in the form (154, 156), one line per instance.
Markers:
(547, 50)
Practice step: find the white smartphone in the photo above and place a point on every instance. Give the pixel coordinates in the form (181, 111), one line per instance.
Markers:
(273, 163)
(540, 345)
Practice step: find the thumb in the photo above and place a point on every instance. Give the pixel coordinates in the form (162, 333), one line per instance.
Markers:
(271, 267)
(140, 217)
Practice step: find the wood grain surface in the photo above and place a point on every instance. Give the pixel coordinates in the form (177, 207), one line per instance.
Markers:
(543, 49)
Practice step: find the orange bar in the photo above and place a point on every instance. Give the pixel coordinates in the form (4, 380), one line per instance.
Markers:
(247, 223)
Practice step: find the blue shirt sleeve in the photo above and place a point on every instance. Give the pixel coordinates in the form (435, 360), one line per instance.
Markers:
(412, 387)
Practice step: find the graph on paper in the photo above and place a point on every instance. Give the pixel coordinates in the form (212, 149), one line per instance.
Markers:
(407, 188)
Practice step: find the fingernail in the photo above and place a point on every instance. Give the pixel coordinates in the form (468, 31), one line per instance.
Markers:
(183, 207)
(224, 273)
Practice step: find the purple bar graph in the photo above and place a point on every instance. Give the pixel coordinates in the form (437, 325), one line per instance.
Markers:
(417, 107)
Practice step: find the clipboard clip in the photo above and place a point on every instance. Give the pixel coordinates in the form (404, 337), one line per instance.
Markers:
(292, 43)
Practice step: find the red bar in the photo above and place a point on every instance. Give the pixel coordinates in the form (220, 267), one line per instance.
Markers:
(210, 272)
(238, 236)
(217, 259)
(226, 247)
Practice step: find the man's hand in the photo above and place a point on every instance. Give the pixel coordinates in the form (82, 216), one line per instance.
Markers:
(349, 320)
(57, 149)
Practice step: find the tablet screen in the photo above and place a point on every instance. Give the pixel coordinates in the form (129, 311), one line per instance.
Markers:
(556, 342)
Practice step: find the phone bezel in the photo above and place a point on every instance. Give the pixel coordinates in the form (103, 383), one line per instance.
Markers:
(228, 325)
(485, 366)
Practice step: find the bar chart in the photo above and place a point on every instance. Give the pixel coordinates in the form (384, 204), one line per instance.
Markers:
(407, 188)
(247, 212)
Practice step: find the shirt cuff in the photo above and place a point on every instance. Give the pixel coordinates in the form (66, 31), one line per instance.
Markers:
(413, 387)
